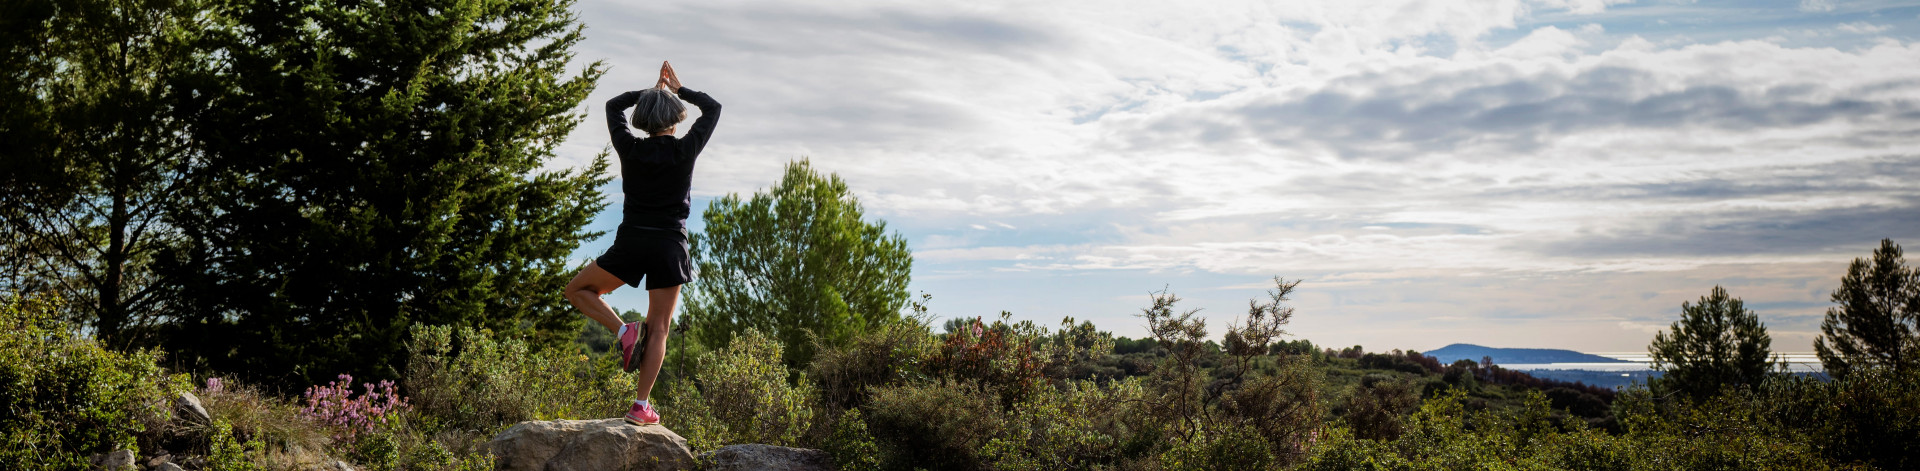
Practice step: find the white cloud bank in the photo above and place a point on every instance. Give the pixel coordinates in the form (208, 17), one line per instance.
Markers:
(1425, 177)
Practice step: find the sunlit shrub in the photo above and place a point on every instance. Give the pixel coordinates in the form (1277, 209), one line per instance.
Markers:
(227, 452)
(466, 379)
(65, 398)
(1082, 425)
(850, 444)
(742, 395)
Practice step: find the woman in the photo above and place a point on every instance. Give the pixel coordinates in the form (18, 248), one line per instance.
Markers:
(651, 243)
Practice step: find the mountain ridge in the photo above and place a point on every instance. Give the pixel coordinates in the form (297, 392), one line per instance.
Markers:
(1467, 351)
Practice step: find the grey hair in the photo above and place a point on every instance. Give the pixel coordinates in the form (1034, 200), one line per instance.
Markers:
(657, 110)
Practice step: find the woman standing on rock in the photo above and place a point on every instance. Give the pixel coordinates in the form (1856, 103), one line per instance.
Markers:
(651, 243)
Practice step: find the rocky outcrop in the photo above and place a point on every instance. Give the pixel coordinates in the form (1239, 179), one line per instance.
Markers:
(766, 457)
(570, 445)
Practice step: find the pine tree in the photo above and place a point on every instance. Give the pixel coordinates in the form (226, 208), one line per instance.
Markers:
(379, 165)
(1717, 342)
(1877, 321)
(794, 261)
(96, 146)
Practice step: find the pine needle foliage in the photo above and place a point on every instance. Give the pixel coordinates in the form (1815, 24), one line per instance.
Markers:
(1717, 343)
(1877, 321)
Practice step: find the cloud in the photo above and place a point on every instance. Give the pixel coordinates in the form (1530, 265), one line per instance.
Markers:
(1816, 5)
(1862, 27)
(1479, 161)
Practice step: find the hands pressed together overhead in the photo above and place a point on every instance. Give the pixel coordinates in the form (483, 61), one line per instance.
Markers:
(668, 80)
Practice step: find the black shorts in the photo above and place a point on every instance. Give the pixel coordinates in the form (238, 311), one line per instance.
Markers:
(658, 255)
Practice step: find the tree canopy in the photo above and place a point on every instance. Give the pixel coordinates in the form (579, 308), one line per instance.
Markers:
(305, 180)
(1717, 342)
(1876, 323)
(795, 261)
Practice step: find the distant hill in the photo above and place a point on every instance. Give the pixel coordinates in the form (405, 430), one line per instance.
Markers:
(1464, 351)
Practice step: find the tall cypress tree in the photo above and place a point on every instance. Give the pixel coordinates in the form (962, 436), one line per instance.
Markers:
(1876, 323)
(378, 164)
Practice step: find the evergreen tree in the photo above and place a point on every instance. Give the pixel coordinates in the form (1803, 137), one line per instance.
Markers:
(377, 165)
(794, 261)
(1718, 342)
(1877, 321)
(96, 146)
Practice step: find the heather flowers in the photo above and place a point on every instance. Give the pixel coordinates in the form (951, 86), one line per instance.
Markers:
(335, 405)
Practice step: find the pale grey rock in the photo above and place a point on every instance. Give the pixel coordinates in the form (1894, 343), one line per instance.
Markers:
(341, 466)
(581, 445)
(116, 460)
(168, 466)
(766, 457)
(189, 409)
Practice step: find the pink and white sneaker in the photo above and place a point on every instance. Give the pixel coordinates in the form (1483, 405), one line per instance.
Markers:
(642, 415)
(632, 346)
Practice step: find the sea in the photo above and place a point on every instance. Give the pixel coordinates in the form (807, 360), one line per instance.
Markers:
(1637, 367)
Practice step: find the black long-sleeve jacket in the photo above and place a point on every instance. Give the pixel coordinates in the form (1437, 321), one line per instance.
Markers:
(657, 171)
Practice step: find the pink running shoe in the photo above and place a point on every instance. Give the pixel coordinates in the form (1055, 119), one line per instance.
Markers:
(643, 415)
(632, 346)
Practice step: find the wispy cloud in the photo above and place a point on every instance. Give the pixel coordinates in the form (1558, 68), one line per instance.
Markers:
(1456, 167)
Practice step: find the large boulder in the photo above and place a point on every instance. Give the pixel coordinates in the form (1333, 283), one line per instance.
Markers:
(766, 457)
(569, 445)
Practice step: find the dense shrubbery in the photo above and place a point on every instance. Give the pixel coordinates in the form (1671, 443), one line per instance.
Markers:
(998, 395)
(64, 398)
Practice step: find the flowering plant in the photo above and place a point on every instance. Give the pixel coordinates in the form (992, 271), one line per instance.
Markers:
(335, 405)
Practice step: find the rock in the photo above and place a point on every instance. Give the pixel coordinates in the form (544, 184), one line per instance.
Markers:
(338, 465)
(188, 406)
(115, 460)
(168, 466)
(609, 444)
(767, 457)
(156, 461)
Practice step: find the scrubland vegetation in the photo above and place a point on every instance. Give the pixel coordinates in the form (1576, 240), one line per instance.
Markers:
(345, 246)
(972, 394)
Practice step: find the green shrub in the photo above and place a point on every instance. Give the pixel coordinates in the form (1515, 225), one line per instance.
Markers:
(1869, 417)
(887, 355)
(65, 397)
(1079, 426)
(742, 395)
(934, 426)
(1231, 447)
(227, 452)
(467, 380)
(850, 444)
(1377, 404)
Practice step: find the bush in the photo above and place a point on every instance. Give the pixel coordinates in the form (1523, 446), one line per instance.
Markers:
(1377, 404)
(851, 445)
(1081, 425)
(934, 426)
(65, 397)
(887, 355)
(742, 395)
(467, 380)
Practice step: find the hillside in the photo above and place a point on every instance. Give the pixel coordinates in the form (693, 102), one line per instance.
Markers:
(1464, 351)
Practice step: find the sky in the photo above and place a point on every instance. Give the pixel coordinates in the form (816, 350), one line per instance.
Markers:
(1511, 173)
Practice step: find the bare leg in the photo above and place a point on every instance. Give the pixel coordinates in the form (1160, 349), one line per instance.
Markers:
(660, 304)
(585, 290)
